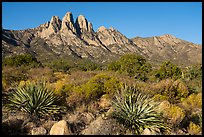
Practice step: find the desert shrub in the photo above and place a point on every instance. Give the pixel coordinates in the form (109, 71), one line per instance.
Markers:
(132, 64)
(73, 64)
(40, 73)
(193, 103)
(75, 98)
(97, 86)
(62, 65)
(174, 90)
(111, 85)
(115, 66)
(136, 111)
(21, 60)
(168, 70)
(194, 72)
(35, 99)
(194, 129)
(174, 115)
(181, 89)
(12, 75)
(159, 97)
(87, 65)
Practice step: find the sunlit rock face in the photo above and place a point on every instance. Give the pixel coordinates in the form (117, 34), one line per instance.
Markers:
(60, 38)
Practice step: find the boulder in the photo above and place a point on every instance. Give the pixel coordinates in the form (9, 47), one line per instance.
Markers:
(148, 132)
(38, 131)
(48, 124)
(163, 105)
(104, 102)
(87, 118)
(102, 126)
(60, 128)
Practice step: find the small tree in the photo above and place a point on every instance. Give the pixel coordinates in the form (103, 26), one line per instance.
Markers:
(132, 64)
(21, 60)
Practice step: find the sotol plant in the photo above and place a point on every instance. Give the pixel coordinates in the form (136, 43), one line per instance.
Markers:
(137, 111)
(34, 98)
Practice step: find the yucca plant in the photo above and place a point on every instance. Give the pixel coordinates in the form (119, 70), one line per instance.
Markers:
(136, 111)
(36, 99)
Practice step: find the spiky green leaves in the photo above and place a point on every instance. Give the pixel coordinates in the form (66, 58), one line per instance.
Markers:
(35, 99)
(136, 111)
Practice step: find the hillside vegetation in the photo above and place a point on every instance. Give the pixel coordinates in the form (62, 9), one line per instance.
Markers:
(135, 93)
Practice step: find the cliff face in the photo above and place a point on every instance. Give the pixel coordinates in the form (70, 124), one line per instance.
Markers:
(60, 38)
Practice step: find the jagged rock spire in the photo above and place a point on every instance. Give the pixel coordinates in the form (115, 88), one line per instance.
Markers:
(51, 27)
(55, 23)
(102, 28)
(90, 27)
(81, 24)
(68, 22)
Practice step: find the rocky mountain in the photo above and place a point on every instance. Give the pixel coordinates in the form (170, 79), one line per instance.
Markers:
(61, 38)
(168, 47)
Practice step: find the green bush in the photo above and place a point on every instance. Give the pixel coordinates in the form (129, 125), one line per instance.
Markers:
(175, 91)
(194, 72)
(174, 114)
(70, 64)
(35, 99)
(159, 97)
(168, 70)
(115, 66)
(132, 64)
(21, 60)
(62, 65)
(99, 85)
(193, 103)
(87, 65)
(137, 111)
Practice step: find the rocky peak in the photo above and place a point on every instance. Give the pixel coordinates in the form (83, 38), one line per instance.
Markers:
(55, 23)
(101, 29)
(90, 26)
(51, 27)
(68, 22)
(111, 29)
(81, 24)
(167, 38)
(45, 25)
(68, 18)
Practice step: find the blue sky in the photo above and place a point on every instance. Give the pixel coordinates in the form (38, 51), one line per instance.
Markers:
(144, 19)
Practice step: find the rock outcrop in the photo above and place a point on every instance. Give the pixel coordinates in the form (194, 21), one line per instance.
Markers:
(81, 24)
(68, 23)
(101, 126)
(61, 38)
(52, 28)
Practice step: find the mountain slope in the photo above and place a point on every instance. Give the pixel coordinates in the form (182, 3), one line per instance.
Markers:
(61, 38)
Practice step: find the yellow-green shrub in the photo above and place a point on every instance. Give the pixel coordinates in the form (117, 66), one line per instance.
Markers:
(174, 90)
(194, 129)
(193, 103)
(159, 97)
(182, 89)
(97, 86)
(174, 114)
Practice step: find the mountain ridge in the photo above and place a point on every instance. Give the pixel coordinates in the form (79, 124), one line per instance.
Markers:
(65, 37)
